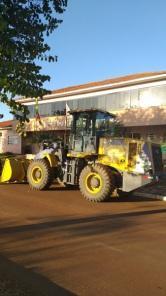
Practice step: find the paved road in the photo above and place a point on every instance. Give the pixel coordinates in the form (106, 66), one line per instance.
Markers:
(56, 243)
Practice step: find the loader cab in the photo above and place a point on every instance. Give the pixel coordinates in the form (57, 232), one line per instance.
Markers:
(87, 127)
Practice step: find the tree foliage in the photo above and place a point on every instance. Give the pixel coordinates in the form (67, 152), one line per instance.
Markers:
(24, 26)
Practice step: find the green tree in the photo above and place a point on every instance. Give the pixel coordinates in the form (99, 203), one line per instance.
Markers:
(24, 26)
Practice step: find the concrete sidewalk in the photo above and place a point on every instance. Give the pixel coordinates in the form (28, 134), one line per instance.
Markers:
(156, 191)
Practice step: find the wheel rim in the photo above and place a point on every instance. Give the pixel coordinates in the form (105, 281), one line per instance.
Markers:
(36, 174)
(93, 183)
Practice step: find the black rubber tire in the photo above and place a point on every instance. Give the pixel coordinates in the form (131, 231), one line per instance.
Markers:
(107, 186)
(46, 175)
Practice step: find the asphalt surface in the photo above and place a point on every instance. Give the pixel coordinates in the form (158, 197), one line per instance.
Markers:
(57, 243)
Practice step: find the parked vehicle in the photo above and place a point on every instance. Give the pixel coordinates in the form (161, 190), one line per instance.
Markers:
(97, 161)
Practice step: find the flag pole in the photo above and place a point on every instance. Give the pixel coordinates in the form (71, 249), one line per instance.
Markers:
(65, 136)
(67, 110)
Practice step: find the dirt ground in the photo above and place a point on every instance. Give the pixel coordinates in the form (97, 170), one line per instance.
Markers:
(57, 243)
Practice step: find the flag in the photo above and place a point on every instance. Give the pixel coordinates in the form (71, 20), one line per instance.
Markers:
(67, 109)
(37, 115)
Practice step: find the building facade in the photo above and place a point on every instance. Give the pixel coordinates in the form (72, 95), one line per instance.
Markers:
(10, 141)
(138, 100)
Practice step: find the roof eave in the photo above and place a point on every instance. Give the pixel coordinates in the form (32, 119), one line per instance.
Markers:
(89, 88)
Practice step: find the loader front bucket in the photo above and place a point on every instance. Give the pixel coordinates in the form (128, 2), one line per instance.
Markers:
(13, 170)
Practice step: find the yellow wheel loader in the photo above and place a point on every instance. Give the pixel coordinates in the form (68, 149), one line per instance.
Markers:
(13, 169)
(42, 170)
(97, 161)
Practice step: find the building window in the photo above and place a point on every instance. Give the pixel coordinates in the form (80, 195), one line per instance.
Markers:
(133, 135)
(12, 140)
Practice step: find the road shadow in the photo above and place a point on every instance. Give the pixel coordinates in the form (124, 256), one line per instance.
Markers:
(63, 188)
(106, 220)
(130, 198)
(122, 197)
(17, 280)
(54, 247)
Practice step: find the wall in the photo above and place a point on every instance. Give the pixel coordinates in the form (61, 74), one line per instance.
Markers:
(143, 116)
(10, 141)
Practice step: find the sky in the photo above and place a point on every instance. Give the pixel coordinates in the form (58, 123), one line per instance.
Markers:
(103, 39)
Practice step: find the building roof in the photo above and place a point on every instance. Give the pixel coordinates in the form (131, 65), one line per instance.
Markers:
(6, 124)
(113, 83)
